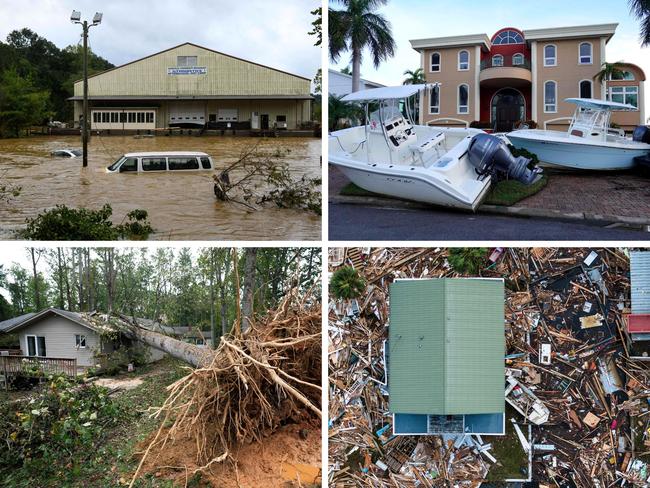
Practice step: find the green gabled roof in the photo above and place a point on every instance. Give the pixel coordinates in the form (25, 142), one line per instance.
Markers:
(446, 346)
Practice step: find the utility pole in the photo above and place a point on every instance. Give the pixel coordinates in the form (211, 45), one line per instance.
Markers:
(97, 19)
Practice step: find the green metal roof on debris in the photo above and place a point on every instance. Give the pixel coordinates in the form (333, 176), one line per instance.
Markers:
(446, 346)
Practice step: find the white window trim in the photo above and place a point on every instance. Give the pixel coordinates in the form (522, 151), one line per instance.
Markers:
(523, 59)
(591, 82)
(434, 106)
(80, 337)
(544, 54)
(591, 53)
(625, 87)
(498, 56)
(468, 60)
(431, 70)
(458, 105)
(544, 99)
(36, 348)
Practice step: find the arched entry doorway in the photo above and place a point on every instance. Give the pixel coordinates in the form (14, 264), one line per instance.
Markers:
(508, 107)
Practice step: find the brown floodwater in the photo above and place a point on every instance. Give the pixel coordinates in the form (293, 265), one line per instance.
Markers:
(181, 206)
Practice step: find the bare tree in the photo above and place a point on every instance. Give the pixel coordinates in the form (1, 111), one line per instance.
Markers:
(249, 285)
(35, 254)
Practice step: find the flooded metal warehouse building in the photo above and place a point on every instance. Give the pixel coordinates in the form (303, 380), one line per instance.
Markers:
(193, 86)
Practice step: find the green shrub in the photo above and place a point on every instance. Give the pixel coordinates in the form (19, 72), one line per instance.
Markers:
(534, 160)
(64, 417)
(346, 283)
(81, 224)
(467, 260)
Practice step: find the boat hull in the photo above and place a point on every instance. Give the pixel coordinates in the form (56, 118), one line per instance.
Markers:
(418, 187)
(577, 155)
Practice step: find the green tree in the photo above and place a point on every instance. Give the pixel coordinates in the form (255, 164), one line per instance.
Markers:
(358, 27)
(21, 103)
(413, 77)
(609, 71)
(317, 26)
(347, 283)
(340, 111)
(641, 10)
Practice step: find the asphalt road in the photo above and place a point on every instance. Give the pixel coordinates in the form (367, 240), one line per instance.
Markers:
(358, 222)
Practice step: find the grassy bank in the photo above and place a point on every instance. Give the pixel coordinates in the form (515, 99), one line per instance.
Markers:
(110, 461)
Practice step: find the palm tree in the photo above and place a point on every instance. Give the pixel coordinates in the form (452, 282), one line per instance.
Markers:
(413, 77)
(641, 10)
(341, 113)
(609, 71)
(356, 28)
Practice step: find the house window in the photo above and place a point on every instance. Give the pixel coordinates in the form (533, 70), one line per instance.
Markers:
(463, 99)
(186, 61)
(550, 97)
(585, 89)
(434, 100)
(463, 61)
(149, 117)
(435, 62)
(105, 117)
(140, 117)
(96, 117)
(623, 75)
(122, 117)
(497, 60)
(80, 341)
(518, 59)
(550, 55)
(585, 53)
(508, 37)
(131, 117)
(624, 94)
(114, 117)
(36, 346)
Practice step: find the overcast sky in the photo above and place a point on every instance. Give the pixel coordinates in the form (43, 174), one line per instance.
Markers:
(415, 19)
(270, 33)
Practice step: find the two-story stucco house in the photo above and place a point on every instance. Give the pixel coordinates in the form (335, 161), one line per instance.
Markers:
(524, 75)
(55, 333)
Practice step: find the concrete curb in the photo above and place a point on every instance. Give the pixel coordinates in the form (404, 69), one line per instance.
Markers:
(496, 209)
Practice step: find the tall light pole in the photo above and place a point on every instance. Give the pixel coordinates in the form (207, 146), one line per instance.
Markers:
(97, 19)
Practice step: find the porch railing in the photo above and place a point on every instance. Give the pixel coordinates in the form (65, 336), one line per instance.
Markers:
(506, 62)
(32, 365)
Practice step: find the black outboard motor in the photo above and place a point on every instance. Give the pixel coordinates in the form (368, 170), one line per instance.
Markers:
(641, 134)
(490, 156)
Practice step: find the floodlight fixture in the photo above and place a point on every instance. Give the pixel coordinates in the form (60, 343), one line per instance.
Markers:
(97, 19)
(75, 16)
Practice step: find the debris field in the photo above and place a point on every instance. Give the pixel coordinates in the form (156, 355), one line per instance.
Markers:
(577, 387)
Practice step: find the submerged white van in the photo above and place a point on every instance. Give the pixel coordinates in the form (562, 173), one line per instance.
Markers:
(142, 162)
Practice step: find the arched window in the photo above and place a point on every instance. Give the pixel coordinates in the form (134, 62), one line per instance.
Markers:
(585, 53)
(497, 60)
(463, 60)
(508, 37)
(434, 100)
(550, 97)
(435, 62)
(586, 89)
(623, 75)
(517, 59)
(550, 55)
(463, 99)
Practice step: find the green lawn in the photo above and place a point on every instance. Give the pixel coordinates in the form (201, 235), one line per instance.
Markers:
(111, 463)
(508, 451)
(505, 192)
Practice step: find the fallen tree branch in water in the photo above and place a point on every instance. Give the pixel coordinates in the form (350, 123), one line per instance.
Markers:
(259, 177)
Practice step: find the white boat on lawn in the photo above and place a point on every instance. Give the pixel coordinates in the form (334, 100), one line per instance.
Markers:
(447, 166)
(590, 143)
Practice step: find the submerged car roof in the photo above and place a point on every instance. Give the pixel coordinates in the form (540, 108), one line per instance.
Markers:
(165, 153)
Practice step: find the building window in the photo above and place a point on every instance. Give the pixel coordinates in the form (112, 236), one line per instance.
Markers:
(95, 117)
(122, 117)
(131, 117)
(624, 94)
(186, 61)
(623, 75)
(80, 341)
(36, 346)
(105, 117)
(140, 117)
(585, 89)
(149, 117)
(550, 55)
(435, 62)
(463, 61)
(463, 99)
(550, 97)
(508, 37)
(585, 53)
(434, 100)
(497, 60)
(518, 59)
(114, 117)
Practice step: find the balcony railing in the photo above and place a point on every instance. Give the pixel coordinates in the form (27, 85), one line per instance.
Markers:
(506, 62)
